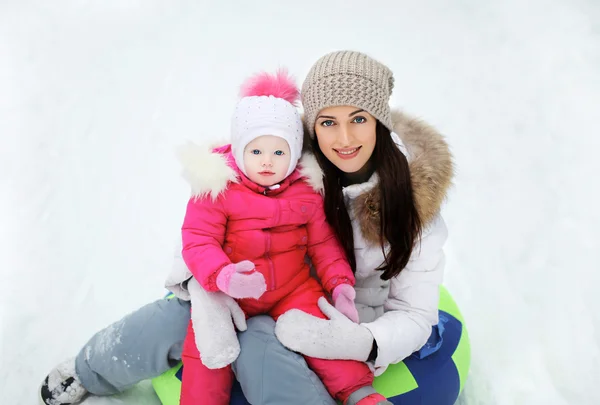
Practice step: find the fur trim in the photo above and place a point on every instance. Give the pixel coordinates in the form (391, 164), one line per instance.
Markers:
(309, 168)
(431, 172)
(431, 164)
(206, 171)
(366, 210)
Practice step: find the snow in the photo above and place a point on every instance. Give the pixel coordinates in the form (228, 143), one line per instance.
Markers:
(95, 97)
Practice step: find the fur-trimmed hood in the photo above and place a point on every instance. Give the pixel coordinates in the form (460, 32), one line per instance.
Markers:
(207, 171)
(430, 162)
(210, 169)
(431, 171)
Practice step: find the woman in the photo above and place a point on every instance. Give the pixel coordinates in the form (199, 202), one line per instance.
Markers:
(384, 178)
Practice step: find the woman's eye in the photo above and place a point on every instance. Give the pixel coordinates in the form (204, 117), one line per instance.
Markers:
(327, 123)
(255, 152)
(359, 120)
(279, 152)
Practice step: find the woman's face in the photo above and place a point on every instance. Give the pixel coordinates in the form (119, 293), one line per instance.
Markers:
(346, 136)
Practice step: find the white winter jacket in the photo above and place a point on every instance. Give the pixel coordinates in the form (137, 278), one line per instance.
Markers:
(400, 312)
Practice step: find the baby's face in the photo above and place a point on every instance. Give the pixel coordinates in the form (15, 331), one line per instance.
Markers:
(266, 160)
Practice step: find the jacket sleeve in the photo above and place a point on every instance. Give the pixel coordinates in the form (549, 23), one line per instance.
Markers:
(326, 253)
(203, 234)
(412, 306)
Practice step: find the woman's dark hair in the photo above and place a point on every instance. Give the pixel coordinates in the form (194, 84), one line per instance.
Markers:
(400, 225)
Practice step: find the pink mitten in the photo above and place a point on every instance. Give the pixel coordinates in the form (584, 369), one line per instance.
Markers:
(343, 300)
(241, 280)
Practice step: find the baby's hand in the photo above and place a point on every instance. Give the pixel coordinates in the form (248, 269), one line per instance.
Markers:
(241, 280)
(343, 300)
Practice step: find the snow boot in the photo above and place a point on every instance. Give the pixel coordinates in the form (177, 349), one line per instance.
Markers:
(62, 386)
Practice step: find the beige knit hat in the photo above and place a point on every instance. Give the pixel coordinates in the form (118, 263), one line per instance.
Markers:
(347, 78)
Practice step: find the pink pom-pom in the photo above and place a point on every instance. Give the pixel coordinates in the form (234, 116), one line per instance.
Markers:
(279, 85)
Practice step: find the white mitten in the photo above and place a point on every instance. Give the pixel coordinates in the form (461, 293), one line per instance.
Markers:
(336, 338)
(213, 317)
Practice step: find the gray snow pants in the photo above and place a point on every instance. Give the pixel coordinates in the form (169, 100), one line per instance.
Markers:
(149, 341)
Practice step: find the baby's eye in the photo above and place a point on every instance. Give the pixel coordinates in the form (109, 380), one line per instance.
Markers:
(279, 152)
(327, 123)
(359, 120)
(255, 152)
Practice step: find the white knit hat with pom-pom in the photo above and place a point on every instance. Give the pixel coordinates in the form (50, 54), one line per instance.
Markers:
(267, 107)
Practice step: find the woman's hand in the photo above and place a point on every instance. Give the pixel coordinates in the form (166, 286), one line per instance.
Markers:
(336, 338)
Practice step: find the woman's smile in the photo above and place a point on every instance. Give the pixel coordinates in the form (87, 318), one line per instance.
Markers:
(347, 153)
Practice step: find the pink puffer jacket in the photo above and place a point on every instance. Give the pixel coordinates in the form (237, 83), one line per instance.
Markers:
(240, 220)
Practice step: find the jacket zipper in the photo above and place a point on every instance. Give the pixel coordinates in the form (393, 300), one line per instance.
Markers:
(268, 258)
(268, 246)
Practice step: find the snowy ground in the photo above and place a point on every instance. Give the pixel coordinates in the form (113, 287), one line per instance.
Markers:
(94, 96)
